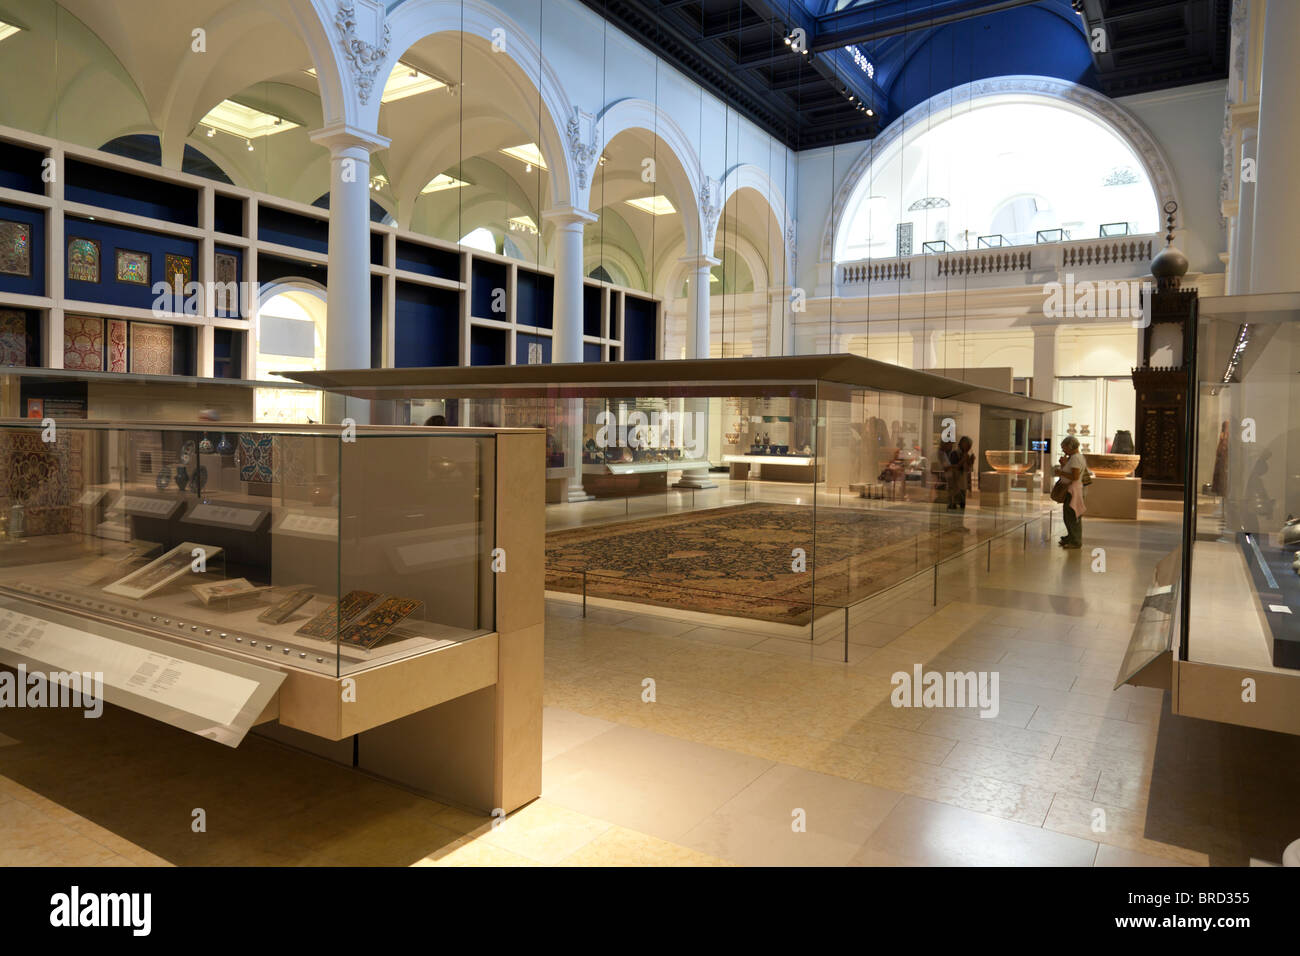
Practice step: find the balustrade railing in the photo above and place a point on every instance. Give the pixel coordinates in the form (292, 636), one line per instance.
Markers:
(1130, 255)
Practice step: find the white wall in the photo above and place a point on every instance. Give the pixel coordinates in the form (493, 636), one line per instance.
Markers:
(1187, 122)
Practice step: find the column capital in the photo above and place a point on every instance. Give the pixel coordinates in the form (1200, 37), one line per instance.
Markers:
(569, 216)
(700, 262)
(340, 136)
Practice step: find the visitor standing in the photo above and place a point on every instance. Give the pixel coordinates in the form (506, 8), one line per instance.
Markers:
(1071, 468)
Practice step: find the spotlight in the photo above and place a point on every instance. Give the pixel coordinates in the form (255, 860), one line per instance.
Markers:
(211, 132)
(250, 144)
(871, 112)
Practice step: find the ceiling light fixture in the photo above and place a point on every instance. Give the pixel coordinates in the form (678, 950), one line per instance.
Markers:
(405, 80)
(654, 205)
(245, 122)
(442, 181)
(522, 224)
(7, 30)
(528, 154)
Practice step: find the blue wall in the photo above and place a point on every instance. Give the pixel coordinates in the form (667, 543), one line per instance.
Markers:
(125, 192)
(112, 238)
(427, 326)
(640, 329)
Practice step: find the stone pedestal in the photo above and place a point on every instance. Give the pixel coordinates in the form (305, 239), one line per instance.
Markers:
(1113, 498)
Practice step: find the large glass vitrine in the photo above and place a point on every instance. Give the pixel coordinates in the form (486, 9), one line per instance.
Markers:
(318, 548)
(774, 489)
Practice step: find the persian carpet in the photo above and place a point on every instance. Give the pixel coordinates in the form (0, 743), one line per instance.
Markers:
(738, 560)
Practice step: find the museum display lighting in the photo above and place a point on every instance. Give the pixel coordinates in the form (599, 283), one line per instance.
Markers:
(441, 182)
(245, 122)
(655, 205)
(529, 154)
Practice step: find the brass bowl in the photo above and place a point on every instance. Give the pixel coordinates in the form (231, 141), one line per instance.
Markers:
(1112, 466)
(1004, 463)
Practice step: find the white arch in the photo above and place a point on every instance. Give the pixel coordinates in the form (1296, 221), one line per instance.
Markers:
(634, 113)
(749, 176)
(416, 19)
(1041, 89)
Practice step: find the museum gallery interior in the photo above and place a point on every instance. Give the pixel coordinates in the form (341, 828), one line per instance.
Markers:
(517, 432)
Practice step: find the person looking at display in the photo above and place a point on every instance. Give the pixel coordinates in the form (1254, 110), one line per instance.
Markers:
(1071, 468)
(963, 462)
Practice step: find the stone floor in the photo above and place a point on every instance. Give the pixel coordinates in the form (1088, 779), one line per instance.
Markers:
(757, 749)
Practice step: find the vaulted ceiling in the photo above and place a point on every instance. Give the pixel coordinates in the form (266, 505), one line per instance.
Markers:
(868, 61)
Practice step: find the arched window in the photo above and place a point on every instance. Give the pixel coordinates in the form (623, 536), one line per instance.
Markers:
(481, 239)
(1002, 167)
(147, 148)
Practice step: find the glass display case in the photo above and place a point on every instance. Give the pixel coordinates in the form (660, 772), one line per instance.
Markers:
(830, 478)
(1220, 624)
(1242, 580)
(309, 546)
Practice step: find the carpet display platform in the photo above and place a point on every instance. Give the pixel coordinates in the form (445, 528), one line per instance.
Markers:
(736, 560)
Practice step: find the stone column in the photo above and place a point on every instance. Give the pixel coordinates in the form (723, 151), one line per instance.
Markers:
(566, 323)
(697, 347)
(347, 324)
(697, 308)
(1275, 246)
(1045, 389)
(569, 222)
(347, 329)
(1241, 253)
(925, 353)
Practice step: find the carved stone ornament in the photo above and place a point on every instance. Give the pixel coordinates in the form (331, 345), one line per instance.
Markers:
(792, 252)
(710, 209)
(364, 57)
(584, 154)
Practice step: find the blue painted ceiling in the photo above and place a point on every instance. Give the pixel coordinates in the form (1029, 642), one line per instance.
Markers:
(915, 48)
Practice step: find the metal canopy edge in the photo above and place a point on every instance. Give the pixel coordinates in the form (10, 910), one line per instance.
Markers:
(841, 368)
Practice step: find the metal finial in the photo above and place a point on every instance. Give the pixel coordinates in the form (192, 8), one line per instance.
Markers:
(1171, 208)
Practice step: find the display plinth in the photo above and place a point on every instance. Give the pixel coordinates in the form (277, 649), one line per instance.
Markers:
(995, 488)
(1114, 498)
(317, 581)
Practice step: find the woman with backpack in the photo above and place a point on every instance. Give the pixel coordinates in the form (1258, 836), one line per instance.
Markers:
(1071, 469)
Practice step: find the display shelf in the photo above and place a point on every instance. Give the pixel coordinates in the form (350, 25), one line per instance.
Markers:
(276, 238)
(644, 467)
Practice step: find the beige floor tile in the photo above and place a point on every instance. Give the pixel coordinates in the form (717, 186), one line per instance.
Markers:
(990, 733)
(647, 782)
(971, 791)
(1037, 772)
(565, 729)
(921, 833)
(1116, 733)
(474, 851)
(793, 817)
(544, 831)
(618, 846)
(1115, 826)
(1108, 855)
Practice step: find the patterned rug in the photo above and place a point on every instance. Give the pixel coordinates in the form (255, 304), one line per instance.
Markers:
(737, 560)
